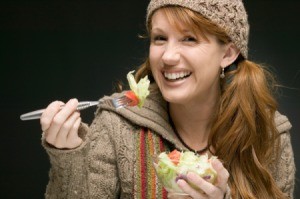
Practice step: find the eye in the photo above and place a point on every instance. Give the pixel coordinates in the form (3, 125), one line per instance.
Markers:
(159, 39)
(189, 39)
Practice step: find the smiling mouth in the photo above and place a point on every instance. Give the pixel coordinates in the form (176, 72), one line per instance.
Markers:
(176, 76)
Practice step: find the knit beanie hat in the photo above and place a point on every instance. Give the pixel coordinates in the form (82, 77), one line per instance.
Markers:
(230, 15)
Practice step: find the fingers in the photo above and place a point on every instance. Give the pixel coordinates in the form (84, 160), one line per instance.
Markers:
(223, 174)
(49, 113)
(190, 190)
(178, 196)
(198, 187)
(54, 116)
(73, 139)
(65, 112)
(61, 139)
(60, 125)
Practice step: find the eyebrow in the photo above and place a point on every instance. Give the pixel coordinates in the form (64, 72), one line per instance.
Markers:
(156, 29)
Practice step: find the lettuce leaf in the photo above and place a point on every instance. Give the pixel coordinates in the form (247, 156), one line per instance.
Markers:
(140, 89)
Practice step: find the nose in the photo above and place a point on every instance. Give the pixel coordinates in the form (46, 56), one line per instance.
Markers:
(171, 55)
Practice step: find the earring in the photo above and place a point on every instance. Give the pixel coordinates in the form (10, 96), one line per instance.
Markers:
(222, 75)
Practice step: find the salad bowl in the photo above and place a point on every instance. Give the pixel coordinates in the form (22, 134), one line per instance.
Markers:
(172, 166)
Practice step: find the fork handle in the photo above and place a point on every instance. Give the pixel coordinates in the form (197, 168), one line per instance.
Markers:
(32, 115)
(38, 113)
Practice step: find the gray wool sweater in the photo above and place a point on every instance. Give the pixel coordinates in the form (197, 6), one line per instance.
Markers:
(103, 165)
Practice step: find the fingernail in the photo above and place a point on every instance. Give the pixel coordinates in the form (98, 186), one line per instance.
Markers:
(181, 176)
(180, 182)
(73, 100)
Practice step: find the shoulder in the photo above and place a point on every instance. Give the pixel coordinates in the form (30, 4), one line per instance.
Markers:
(282, 123)
(110, 120)
(283, 127)
(284, 168)
(153, 113)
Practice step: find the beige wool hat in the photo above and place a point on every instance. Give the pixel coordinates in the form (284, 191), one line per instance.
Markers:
(230, 15)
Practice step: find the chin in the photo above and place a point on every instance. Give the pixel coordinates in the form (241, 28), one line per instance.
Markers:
(174, 98)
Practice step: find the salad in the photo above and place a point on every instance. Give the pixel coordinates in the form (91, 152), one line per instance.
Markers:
(139, 91)
(170, 167)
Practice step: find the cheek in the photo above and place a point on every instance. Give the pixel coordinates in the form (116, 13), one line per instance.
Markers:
(151, 57)
(206, 69)
(155, 52)
(154, 57)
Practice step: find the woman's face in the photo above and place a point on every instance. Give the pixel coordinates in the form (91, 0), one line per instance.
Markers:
(185, 66)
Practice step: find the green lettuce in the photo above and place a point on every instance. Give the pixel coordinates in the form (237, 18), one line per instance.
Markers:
(140, 89)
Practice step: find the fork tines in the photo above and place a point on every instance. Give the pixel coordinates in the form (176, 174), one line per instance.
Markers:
(121, 101)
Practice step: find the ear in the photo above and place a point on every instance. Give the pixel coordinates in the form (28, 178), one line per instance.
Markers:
(231, 53)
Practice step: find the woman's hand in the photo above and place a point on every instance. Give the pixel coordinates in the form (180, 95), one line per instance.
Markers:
(60, 125)
(209, 191)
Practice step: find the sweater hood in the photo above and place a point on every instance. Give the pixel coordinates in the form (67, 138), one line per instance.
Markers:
(153, 115)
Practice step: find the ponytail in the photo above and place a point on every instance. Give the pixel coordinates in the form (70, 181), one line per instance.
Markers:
(245, 124)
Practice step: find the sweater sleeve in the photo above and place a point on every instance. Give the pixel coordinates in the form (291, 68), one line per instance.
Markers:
(103, 173)
(286, 166)
(88, 171)
(67, 177)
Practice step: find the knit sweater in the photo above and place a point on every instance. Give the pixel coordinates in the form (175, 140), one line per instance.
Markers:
(105, 164)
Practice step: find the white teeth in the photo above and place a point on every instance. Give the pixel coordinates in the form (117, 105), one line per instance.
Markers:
(174, 76)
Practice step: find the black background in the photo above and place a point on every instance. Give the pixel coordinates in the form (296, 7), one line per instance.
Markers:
(53, 50)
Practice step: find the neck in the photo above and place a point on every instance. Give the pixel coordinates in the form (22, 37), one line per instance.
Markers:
(192, 123)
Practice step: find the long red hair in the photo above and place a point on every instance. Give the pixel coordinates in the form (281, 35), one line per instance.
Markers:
(243, 133)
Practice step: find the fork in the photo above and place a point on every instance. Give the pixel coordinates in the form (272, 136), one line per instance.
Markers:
(117, 103)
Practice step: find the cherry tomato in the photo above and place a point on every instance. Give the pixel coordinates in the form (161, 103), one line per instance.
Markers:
(134, 99)
(174, 156)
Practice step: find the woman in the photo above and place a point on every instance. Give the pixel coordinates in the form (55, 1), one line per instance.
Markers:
(205, 97)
